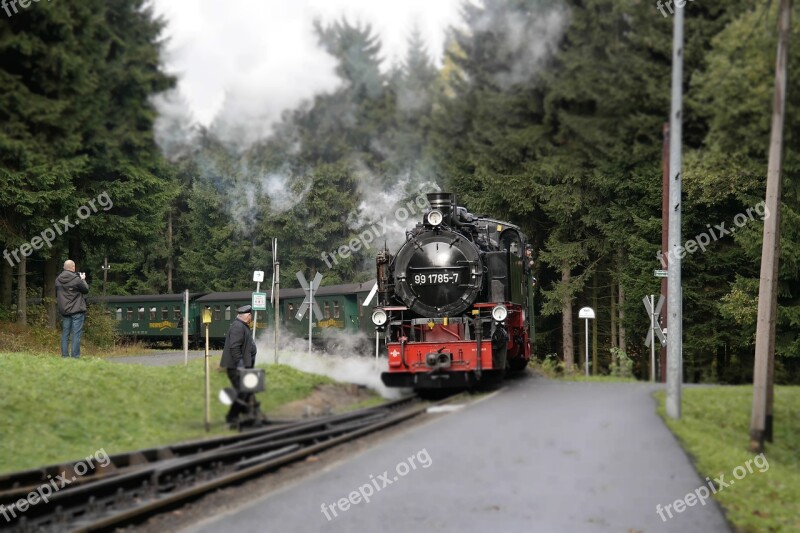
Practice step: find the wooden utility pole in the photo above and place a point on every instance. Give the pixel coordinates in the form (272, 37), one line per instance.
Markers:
(22, 292)
(105, 273)
(761, 420)
(664, 242)
(170, 265)
(623, 341)
(567, 341)
(594, 326)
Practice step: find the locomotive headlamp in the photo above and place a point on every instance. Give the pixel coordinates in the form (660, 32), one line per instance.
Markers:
(499, 312)
(434, 217)
(379, 317)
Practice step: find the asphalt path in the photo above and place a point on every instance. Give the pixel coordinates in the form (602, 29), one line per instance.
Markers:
(539, 455)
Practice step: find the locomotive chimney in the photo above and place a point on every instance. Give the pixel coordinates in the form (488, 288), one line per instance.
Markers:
(444, 202)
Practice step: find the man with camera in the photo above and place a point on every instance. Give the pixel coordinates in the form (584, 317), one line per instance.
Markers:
(70, 288)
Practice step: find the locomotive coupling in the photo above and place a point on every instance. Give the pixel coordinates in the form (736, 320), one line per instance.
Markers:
(436, 360)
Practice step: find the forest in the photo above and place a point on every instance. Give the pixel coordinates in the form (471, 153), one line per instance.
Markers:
(547, 113)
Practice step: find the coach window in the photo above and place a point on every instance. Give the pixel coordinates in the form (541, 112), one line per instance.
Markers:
(129, 313)
(217, 313)
(291, 309)
(227, 312)
(140, 314)
(360, 303)
(165, 313)
(176, 312)
(153, 313)
(336, 309)
(119, 314)
(327, 310)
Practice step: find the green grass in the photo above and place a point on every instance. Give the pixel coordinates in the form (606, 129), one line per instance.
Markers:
(369, 402)
(54, 409)
(600, 379)
(714, 428)
(553, 369)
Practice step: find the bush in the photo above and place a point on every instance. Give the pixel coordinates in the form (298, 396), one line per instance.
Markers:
(621, 364)
(552, 366)
(99, 332)
(100, 328)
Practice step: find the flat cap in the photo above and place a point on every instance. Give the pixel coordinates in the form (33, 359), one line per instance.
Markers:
(245, 309)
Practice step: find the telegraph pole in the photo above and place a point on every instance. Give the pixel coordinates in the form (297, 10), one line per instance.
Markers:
(664, 242)
(675, 305)
(105, 267)
(761, 420)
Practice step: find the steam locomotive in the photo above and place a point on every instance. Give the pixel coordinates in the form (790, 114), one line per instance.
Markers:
(455, 302)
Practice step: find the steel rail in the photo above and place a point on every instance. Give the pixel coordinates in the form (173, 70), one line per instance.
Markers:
(179, 466)
(16, 485)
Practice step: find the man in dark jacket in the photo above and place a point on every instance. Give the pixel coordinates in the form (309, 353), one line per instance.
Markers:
(70, 288)
(239, 352)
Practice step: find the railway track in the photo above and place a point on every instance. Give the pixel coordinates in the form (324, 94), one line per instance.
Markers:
(137, 484)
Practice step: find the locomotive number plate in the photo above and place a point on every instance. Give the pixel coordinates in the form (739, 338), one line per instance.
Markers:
(436, 279)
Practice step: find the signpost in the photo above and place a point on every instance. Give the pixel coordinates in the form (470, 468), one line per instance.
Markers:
(366, 303)
(654, 313)
(274, 293)
(259, 301)
(661, 273)
(258, 277)
(588, 314)
(206, 317)
(309, 302)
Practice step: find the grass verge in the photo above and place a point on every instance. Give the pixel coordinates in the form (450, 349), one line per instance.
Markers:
(714, 429)
(54, 409)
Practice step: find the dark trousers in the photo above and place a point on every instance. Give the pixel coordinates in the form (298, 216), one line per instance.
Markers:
(243, 399)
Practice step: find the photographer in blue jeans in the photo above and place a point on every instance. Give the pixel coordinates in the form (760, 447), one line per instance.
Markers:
(70, 288)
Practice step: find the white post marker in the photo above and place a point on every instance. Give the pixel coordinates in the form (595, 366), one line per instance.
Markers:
(258, 277)
(588, 314)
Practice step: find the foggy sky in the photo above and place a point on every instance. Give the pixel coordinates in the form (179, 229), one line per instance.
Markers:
(246, 61)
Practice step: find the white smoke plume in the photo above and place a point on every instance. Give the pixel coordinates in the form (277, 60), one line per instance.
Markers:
(344, 363)
(396, 208)
(531, 40)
